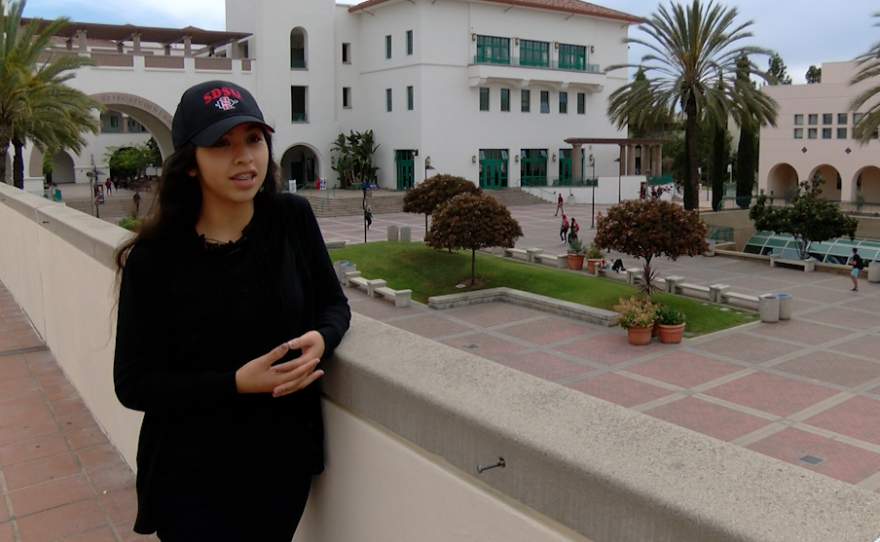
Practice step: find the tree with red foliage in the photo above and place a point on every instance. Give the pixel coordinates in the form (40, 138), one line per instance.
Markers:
(473, 221)
(652, 227)
(424, 198)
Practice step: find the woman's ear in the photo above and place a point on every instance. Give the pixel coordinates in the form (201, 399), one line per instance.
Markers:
(194, 173)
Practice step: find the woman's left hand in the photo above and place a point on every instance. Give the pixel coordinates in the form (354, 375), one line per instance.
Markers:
(312, 346)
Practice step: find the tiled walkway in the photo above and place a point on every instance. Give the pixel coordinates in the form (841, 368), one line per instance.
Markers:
(805, 391)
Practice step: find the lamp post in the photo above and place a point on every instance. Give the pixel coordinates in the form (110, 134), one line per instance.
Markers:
(427, 166)
(594, 183)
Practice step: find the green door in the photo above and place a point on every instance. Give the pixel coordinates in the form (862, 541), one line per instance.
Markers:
(564, 167)
(533, 167)
(403, 161)
(493, 168)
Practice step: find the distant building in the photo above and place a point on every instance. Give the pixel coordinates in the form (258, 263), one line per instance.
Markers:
(815, 134)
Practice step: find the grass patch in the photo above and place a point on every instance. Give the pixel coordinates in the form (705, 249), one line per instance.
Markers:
(428, 272)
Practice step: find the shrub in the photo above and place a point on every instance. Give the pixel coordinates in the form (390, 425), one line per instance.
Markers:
(130, 222)
(595, 253)
(668, 316)
(424, 198)
(576, 246)
(637, 311)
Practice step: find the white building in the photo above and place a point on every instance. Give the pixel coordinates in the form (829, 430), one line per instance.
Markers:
(487, 90)
(815, 134)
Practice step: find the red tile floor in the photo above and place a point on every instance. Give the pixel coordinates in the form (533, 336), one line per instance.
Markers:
(806, 391)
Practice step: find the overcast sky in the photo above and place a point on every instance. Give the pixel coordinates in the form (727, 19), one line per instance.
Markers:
(804, 32)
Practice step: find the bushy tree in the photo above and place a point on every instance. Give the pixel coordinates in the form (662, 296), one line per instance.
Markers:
(691, 46)
(777, 71)
(809, 218)
(425, 197)
(354, 158)
(473, 221)
(130, 160)
(651, 227)
(813, 75)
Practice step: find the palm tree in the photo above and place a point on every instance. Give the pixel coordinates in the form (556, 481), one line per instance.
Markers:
(29, 85)
(869, 63)
(691, 48)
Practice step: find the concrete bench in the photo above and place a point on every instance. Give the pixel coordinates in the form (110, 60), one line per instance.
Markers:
(335, 243)
(693, 287)
(366, 284)
(511, 252)
(559, 261)
(716, 291)
(727, 296)
(632, 275)
(672, 283)
(348, 276)
(808, 265)
(401, 298)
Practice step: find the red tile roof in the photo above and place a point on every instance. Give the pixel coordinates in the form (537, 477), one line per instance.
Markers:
(566, 6)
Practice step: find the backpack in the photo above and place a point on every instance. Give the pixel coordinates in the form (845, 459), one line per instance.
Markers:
(565, 224)
(576, 227)
(860, 264)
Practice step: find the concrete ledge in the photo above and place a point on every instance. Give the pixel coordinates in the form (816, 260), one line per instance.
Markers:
(526, 299)
(606, 472)
(335, 243)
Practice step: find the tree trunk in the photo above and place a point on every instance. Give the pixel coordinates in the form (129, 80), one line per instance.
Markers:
(718, 166)
(5, 136)
(473, 263)
(18, 163)
(691, 194)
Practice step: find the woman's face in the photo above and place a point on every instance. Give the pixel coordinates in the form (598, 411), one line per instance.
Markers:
(233, 169)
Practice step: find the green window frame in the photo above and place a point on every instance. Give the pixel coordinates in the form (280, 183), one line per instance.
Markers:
(388, 100)
(841, 133)
(484, 98)
(534, 53)
(409, 42)
(812, 133)
(799, 120)
(572, 57)
(827, 118)
(505, 100)
(813, 119)
(563, 103)
(410, 98)
(492, 50)
(826, 133)
(582, 103)
(525, 100)
(841, 118)
(798, 133)
(545, 101)
(388, 46)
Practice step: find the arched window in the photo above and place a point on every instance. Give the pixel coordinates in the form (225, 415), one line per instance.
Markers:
(298, 49)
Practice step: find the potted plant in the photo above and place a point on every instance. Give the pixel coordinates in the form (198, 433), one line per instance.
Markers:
(594, 257)
(637, 316)
(670, 323)
(576, 250)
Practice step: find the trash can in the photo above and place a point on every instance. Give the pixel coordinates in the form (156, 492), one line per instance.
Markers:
(768, 308)
(405, 233)
(874, 271)
(392, 233)
(784, 305)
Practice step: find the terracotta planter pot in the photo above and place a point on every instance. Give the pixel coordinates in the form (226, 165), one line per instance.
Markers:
(638, 335)
(591, 265)
(670, 334)
(575, 261)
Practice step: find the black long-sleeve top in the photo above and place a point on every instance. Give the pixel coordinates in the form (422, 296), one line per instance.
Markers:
(191, 315)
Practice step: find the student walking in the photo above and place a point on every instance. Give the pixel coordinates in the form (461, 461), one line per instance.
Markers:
(857, 265)
(109, 186)
(563, 228)
(573, 230)
(227, 303)
(368, 216)
(137, 202)
(559, 206)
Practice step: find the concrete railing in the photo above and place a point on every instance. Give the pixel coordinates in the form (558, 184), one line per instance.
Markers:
(409, 420)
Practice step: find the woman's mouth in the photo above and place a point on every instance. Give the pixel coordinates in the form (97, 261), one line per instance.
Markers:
(244, 180)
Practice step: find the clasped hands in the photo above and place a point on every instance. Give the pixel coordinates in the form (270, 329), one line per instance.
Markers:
(260, 376)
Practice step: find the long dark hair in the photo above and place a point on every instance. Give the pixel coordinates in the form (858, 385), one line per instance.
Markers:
(180, 199)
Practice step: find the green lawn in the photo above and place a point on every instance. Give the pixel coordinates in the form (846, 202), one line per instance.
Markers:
(428, 272)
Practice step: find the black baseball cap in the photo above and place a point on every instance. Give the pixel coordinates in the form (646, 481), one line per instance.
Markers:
(208, 110)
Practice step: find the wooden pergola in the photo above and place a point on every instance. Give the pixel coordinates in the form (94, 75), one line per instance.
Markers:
(652, 155)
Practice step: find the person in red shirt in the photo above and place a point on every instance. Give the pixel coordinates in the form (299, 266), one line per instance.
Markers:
(558, 205)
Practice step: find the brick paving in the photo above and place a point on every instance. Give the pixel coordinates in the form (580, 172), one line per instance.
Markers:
(805, 391)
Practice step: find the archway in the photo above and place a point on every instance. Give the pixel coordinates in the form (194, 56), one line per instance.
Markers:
(299, 48)
(831, 188)
(867, 185)
(62, 168)
(300, 163)
(152, 116)
(782, 181)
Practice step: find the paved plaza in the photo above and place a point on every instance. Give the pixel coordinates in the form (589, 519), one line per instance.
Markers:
(806, 391)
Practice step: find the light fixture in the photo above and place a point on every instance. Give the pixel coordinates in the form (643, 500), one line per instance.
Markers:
(414, 152)
(516, 158)
(473, 36)
(427, 160)
(474, 159)
(516, 41)
(554, 156)
(591, 159)
(332, 160)
(556, 45)
(592, 48)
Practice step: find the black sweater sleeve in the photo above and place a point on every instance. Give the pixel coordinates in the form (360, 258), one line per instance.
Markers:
(142, 367)
(332, 313)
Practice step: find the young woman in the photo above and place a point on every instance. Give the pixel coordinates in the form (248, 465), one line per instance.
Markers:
(227, 303)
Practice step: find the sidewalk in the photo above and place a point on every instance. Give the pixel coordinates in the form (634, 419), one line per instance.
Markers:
(806, 391)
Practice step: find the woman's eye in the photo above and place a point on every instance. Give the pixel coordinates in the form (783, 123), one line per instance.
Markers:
(220, 143)
(255, 139)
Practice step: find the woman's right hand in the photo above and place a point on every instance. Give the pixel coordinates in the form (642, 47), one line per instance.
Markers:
(258, 376)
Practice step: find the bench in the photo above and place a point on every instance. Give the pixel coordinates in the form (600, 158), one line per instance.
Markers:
(510, 252)
(335, 243)
(349, 276)
(632, 275)
(716, 291)
(694, 287)
(401, 298)
(559, 260)
(808, 265)
(366, 284)
(672, 283)
(727, 296)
